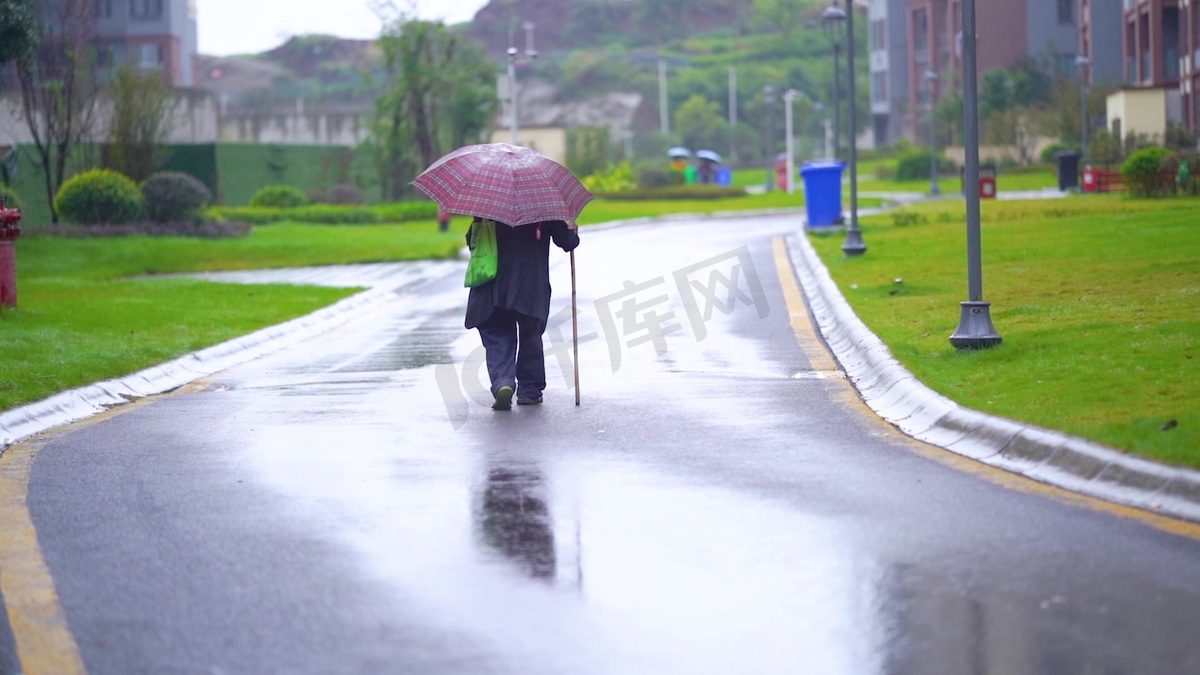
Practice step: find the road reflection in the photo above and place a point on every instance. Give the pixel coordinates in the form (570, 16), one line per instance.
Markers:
(514, 519)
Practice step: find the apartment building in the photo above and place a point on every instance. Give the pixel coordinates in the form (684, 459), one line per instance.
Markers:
(1160, 48)
(148, 35)
(1189, 83)
(888, 57)
(1099, 35)
(1007, 30)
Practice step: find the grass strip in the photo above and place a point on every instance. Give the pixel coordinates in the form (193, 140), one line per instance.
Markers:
(1097, 299)
(85, 314)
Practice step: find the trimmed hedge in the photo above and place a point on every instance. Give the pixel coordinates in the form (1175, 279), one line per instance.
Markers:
(398, 212)
(279, 196)
(328, 214)
(319, 214)
(676, 193)
(99, 197)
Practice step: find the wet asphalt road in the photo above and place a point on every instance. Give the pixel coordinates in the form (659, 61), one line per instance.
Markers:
(715, 505)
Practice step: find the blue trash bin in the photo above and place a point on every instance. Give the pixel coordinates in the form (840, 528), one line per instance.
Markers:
(724, 176)
(823, 192)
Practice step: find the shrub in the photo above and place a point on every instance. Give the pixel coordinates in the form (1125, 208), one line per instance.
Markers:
(1189, 166)
(99, 196)
(1142, 172)
(14, 202)
(173, 196)
(1179, 137)
(1050, 152)
(657, 173)
(914, 165)
(903, 217)
(613, 178)
(344, 193)
(279, 196)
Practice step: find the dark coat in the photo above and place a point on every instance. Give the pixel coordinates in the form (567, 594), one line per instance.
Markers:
(522, 282)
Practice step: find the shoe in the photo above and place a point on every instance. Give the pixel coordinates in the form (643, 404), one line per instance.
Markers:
(503, 398)
(525, 400)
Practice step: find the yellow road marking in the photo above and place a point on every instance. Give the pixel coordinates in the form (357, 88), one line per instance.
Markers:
(810, 342)
(844, 393)
(39, 625)
(43, 639)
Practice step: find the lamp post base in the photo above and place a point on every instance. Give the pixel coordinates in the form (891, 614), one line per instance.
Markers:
(975, 329)
(854, 245)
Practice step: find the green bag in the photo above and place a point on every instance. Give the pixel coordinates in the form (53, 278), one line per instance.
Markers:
(482, 267)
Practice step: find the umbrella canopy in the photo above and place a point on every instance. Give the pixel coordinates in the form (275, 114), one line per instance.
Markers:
(709, 155)
(507, 183)
(678, 152)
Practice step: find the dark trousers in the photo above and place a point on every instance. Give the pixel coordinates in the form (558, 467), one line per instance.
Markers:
(513, 343)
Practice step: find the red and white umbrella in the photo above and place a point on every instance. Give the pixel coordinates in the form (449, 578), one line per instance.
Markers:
(506, 183)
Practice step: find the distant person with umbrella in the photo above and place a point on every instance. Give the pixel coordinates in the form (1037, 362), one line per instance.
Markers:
(707, 171)
(529, 200)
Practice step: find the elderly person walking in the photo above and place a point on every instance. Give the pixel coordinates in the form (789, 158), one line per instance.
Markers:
(510, 312)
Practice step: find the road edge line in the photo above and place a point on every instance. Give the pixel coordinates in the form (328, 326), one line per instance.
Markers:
(36, 618)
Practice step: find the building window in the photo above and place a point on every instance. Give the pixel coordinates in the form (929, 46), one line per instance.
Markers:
(878, 35)
(879, 92)
(145, 10)
(102, 9)
(150, 57)
(1066, 11)
(920, 34)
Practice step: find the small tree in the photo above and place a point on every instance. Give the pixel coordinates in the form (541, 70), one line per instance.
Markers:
(587, 150)
(142, 107)
(699, 122)
(58, 88)
(438, 93)
(19, 30)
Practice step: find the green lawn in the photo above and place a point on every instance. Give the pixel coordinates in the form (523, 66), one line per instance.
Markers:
(1097, 299)
(83, 316)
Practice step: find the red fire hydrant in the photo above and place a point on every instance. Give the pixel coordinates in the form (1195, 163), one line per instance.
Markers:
(9, 232)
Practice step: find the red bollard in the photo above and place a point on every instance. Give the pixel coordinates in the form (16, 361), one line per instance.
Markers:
(9, 232)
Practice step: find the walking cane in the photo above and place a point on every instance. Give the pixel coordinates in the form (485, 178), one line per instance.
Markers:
(575, 327)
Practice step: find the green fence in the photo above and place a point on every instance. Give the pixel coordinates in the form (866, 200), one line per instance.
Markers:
(233, 171)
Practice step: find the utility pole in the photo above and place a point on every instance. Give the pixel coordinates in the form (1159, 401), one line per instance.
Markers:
(733, 114)
(664, 126)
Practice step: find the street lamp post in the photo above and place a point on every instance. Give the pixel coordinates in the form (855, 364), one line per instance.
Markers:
(768, 101)
(789, 96)
(854, 245)
(1082, 63)
(975, 330)
(931, 78)
(530, 52)
(831, 23)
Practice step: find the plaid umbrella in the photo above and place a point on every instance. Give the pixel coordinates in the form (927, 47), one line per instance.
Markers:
(507, 183)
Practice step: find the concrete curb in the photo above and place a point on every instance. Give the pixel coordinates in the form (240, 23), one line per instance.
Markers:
(76, 404)
(1044, 455)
